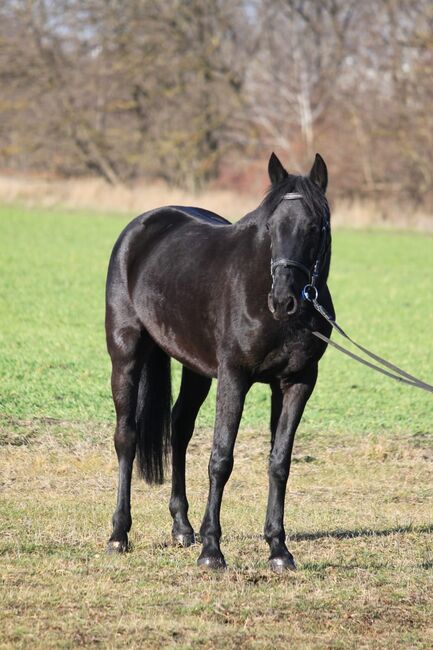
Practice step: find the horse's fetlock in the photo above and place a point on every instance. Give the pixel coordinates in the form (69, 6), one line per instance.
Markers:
(122, 521)
(273, 534)
(178, 505)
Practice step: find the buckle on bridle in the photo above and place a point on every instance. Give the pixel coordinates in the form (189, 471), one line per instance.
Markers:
(309, 292)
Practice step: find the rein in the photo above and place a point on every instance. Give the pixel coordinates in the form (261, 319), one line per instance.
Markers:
(310, 294)
(397, 373)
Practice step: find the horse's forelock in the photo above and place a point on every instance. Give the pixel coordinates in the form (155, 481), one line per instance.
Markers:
(301, 184)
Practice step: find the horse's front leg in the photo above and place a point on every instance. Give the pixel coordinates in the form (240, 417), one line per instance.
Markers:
(231, 391)
(294, 399)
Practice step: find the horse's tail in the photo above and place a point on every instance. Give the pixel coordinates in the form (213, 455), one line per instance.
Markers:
(153, 416)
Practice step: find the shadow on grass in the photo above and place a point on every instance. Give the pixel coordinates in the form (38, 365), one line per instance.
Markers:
(50, 548)
(426, 565)
(339, 534)
(360, 532)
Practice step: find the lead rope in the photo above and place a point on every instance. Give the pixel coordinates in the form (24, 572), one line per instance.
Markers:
(402, 376)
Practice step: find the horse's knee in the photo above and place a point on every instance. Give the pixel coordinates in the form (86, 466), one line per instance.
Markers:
(278, 471)
(220, 464)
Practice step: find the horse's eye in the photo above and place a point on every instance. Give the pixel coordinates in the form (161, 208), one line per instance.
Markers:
(267, 227)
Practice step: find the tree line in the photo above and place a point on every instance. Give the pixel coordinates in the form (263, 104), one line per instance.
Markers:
(180, 89)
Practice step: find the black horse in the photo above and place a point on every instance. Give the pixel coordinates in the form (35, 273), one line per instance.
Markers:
(226, 301)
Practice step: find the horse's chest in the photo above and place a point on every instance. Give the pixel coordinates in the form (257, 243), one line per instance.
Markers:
(290, 357)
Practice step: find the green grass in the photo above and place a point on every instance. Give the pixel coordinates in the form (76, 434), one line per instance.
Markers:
(53, 361)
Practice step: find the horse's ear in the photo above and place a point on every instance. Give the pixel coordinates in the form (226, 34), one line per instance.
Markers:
(319, 173)
(275, 170)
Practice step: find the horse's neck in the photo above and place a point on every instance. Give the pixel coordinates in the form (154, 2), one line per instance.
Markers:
(255, 246)
(255, 217)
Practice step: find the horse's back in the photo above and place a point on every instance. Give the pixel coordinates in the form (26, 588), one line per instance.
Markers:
(174, 216)
(155, 222)
(205, 216)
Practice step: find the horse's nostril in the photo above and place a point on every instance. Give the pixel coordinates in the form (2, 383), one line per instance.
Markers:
(291, 305)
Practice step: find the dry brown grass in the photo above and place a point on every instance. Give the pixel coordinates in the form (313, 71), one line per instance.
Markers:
(366, 214)
(359, 518)
(94, 194)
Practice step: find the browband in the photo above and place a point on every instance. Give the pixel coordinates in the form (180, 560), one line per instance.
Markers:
(292, 195)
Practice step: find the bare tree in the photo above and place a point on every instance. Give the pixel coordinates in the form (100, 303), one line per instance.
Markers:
(304, 50)
(125, 88)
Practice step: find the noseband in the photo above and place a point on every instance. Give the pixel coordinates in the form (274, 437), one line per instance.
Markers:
(309, 292)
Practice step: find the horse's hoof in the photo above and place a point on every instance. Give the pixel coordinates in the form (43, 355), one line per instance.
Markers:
(115, 546)
(212, 562)
(183, 539)
(281, 564)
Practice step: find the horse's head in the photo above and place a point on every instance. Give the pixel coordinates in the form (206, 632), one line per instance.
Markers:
(297, 221)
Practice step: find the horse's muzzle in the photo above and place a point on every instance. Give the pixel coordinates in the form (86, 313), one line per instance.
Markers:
(282, 309)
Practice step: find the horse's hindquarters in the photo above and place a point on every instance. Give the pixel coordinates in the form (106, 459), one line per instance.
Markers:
(177, 293)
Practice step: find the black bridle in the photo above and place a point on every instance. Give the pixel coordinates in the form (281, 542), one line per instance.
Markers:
(309, 292)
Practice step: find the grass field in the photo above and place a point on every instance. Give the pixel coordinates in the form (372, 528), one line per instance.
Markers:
(359, 510)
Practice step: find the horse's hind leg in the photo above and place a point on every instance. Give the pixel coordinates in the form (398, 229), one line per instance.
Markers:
(193, 391)
(127, 348)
